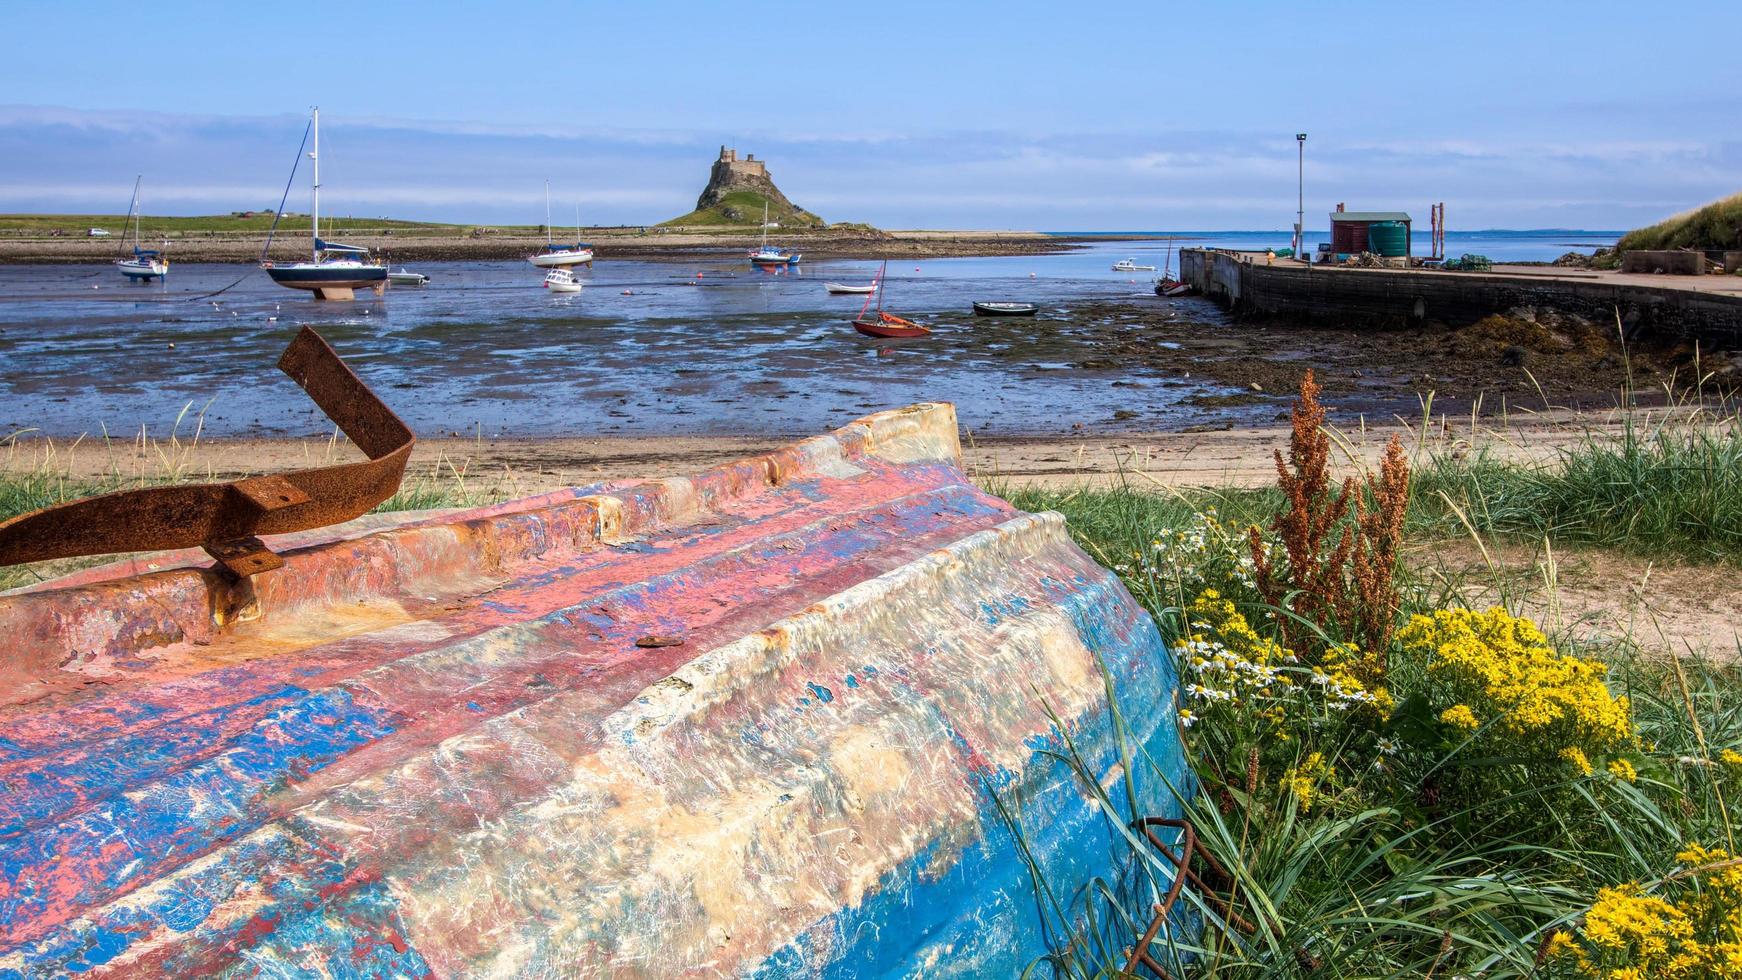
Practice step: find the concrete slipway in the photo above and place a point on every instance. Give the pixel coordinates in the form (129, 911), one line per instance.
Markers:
(432, 746)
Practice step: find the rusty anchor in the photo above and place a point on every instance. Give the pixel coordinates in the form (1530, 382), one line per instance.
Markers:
(227, 519)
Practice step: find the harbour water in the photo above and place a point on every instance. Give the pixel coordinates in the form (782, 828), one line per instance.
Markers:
(690, 346)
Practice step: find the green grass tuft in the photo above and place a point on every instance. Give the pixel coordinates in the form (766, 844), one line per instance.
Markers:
(1673, 492)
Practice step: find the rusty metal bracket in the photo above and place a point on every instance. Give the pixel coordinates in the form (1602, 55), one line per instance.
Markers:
(1183, 873)
(227, 519)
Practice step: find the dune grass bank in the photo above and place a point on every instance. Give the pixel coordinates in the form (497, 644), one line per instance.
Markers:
(1715, 225)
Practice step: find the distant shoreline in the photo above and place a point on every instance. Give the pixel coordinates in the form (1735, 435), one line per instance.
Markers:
(245, 247)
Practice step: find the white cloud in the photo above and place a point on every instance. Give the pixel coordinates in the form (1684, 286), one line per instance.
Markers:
(63, 159)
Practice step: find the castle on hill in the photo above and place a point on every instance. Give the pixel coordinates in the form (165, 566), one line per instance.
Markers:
(730, 179)
(734, 167)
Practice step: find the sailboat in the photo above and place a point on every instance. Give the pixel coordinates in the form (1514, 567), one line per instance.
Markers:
(335, 270)
(1166, 284)
(883, 324)
(554, 255)
(147, 263)
(769, 255)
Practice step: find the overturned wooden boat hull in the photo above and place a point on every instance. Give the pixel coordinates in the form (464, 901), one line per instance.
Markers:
(472, 744)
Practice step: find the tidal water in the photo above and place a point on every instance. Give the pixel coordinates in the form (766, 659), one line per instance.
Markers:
(650, 347)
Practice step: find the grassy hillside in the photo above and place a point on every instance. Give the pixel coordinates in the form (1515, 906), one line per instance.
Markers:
(744, 209)
(75, 225)
(1717, 225)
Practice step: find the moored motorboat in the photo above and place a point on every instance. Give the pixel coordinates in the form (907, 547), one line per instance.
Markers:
(1130, 265)
(146, 264)
(336, 270)
(405, 277)
(842, 288)
(561, 281)
(1005, 309)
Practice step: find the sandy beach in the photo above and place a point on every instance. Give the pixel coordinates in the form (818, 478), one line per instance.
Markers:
(505, 468)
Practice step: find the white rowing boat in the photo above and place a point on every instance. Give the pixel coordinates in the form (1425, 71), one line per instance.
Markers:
(836, 287)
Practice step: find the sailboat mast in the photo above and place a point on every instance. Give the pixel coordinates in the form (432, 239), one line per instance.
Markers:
(765, 224)
(577, 224)
(315, 210)
(133, 211)
(549, 236)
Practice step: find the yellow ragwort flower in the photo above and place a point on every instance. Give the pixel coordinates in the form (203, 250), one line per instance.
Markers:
(1499, 667)
(1460, 716)
(1575, 758)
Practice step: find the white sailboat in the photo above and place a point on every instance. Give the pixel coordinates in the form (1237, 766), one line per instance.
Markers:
(335, 270)
(769, 255)
(146, 264)
(557, 256)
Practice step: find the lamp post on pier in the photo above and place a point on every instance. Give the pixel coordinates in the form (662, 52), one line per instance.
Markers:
(1300, 189)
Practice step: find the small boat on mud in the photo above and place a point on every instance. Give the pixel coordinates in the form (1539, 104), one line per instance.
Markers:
(1130, 265)
(842, 288)
(561, 281)
(890, 326)
(147, 263)
(1167, 285)
(335, 270)
(886, 325)
(405, 277)
(1005, 309)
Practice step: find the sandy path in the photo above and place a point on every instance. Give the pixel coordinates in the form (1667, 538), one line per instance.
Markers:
(1594, 597)
(1231, 457)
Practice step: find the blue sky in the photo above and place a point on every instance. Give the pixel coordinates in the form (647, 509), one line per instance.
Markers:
(971, 115)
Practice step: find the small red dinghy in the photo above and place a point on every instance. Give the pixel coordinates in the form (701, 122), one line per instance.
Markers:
(889, 325)
(881, 324)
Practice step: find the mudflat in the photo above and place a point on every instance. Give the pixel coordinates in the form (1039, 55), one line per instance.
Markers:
(407, 246)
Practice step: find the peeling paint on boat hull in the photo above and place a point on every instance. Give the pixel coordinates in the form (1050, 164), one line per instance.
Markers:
(433, 748)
